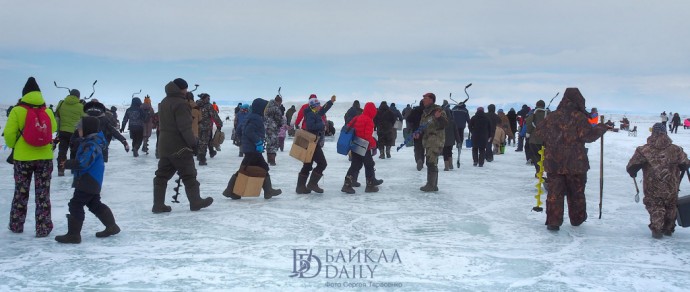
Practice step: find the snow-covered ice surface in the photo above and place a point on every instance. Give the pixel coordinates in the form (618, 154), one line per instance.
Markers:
(477, 233)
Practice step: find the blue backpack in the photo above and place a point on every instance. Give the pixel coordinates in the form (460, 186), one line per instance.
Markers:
(347, 134)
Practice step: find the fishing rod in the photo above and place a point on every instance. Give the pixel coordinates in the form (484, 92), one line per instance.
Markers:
(93, 86)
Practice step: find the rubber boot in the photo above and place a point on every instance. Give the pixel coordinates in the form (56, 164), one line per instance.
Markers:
(313, 182)
(354, 180)
(302, 184)
(199, 203)
(446, 167)
(450, 162)
(271, 159)
(159, 199)
(431, 181)
(231, 185)
(371, 187)
(73, 231)
(388, 151)
(107, 218)
(347, 185)
(382, 154)
(269, 191)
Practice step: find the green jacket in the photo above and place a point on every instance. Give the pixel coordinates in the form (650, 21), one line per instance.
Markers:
(15, 122)
(434, 133)
(532, 122)
(69, 111)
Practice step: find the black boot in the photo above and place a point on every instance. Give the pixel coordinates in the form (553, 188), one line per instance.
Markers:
(302, 184)
(388, 151)
(347, 185)
(159, 205)
(446, 166)
(450, 162)
(107, 218)
(313, 182)
(61, 167)
(382, 154)
(269, 192)
(371, 187)
(231, 185)
(200, 203)
(73, 231)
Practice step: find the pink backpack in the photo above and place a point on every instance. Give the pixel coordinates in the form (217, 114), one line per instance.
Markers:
(38, 130)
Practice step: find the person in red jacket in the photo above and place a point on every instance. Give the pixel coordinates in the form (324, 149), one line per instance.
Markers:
(364, 128)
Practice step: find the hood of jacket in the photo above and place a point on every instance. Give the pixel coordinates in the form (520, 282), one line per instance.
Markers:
(34, 98)
(659, 140)
(572, 101)
(136, 102)
(172, 90)
(258, 106)
(383, 106)
(71, 100)
(369, 110)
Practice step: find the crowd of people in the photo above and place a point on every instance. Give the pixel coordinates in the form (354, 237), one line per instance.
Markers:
(184, 130)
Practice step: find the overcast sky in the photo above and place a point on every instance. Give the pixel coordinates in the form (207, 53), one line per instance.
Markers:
(626, 55)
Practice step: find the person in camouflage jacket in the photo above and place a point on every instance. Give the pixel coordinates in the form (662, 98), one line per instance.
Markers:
(273, 120)
(209, 116)
(564, 134)
(662, 164)
(435, 119)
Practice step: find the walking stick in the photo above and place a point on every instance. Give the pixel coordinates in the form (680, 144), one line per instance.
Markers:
(601, 172)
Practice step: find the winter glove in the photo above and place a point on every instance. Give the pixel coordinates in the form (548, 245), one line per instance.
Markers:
(126, 147)
(122, 130)
(260, 146)
(527, 135)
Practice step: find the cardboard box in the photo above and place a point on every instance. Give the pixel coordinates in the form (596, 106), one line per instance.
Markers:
(303, 146)
(683, 216)
(249, 182)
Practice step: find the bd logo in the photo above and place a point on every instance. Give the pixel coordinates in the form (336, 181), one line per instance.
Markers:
(305, 264)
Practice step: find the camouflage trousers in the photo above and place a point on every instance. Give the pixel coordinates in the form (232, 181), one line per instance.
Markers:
(272, 142)
(205, 136)
(432, 154)
(41, 171)
(571, 186)
(662, 212)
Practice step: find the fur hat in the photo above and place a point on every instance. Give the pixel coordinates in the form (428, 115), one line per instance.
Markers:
(658, 128)
(181, 83)
(279, 98)
(89, 125)
(75, 92)
(30, 86)
(94, 108)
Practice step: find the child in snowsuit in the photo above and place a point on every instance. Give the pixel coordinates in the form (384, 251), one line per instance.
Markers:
(662, 164)
(282, 134)
(88, 168)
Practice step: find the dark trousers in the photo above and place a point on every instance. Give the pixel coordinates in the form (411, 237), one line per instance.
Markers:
(281, 143)
(520, 142)
(447, 153)
(358, 161)
(320, 160)
(528, 150)
(418, 149)
(674, 129)
(535, 155)
(255, 159)
(571, 186)
(24, 171)
(478, 153)
(489, 153)
(81, 199)
(184, 166)
(137, 135)
(64, 145)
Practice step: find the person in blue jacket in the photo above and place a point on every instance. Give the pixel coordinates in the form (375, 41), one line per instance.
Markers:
(253, 135)
(88, 168)
(315, 124)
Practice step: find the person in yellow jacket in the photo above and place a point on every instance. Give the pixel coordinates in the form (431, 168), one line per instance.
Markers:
(30, 161)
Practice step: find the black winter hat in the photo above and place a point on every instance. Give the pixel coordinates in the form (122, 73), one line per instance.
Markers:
(491, 108)
(181, 83)
(75, 93)
(30, 86)
(89, 125)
